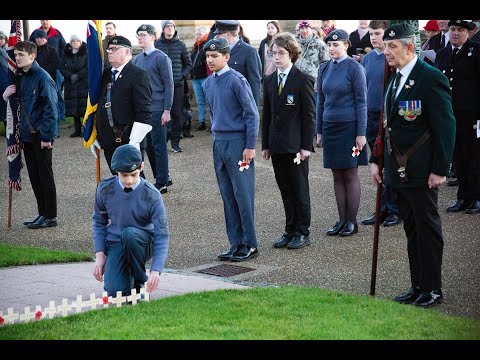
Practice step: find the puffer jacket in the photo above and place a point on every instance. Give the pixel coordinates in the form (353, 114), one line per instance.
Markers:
(37, 95)
(178, 52)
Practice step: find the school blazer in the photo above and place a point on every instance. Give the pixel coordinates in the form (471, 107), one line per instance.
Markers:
(288, 120)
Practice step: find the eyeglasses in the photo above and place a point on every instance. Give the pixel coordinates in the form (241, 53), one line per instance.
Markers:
(111, 50)
(279, 53)
(142, 35)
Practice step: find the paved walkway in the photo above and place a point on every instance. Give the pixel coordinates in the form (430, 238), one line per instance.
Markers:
(23, 286)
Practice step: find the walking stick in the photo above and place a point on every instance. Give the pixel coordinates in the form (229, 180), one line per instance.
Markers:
(379, 154)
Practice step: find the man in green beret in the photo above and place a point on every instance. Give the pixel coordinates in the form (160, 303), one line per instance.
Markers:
(419, 139)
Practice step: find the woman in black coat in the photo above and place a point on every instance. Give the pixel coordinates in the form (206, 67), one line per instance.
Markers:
(74, 68)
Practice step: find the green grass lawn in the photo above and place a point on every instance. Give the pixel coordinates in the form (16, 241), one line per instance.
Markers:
(287, 312)
(12, 255)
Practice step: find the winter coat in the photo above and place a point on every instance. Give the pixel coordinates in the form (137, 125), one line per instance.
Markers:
(178, 52)
(76, 90)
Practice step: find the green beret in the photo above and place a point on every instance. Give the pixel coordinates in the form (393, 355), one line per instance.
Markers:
(399, 31)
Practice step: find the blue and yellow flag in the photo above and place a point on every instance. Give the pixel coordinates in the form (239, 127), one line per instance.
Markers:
(95, 68)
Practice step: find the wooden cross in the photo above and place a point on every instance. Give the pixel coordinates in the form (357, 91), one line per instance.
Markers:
(64, 308)
(243, 165)
(119, 299)
(78, 305)
(51, 310)
(27, 315)
(106, 300)
(145, 293)
(134, 297)
(92, 302)
(10, 317)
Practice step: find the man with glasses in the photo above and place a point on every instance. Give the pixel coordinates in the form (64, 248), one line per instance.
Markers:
(159, 67)
(124, 107)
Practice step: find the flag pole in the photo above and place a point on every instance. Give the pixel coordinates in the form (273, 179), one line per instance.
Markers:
(97, 163)
(9, 219)
(376, 233)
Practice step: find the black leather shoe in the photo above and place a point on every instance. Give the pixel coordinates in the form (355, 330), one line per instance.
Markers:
(335, 229)
(371, 219)
(452, 182)
(26, 223)
(176, 148)
(170, 181)
(409, 297)
(429, 298)
(202, 126)
(162, 188)
(459, 205)
(283, 241)
(474, 208)
(392, 220)
(43, 223)
(226, 255)
(244, 253)
(298, 242)
(350, 228)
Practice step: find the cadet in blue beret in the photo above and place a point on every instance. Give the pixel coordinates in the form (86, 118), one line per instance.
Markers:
(235, 122)
(129, 227)
(337, 35)
(150, 29)
(419, 138)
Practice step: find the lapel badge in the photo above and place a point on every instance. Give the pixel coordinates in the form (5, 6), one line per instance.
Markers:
(290, 99)
(470, 51)
(410, 84)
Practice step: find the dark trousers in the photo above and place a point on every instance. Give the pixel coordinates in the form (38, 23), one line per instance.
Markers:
(157, 149)
(388, 199)
(466, 157)
(292, 180)
(40, 172)
(176, 115)
(423, 228)
(125, 263)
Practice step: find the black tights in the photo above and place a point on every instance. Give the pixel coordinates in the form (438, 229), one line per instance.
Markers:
(347, 193)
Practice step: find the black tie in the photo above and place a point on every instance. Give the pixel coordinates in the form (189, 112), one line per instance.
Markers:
(216, 75)
(393, 91)
(127, 190)
(454, 54)
(114, 74)
(144, 54)
(335, 62)
(442, 42)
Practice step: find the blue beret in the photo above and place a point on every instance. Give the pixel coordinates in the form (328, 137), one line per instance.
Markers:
(467, 24)
(39, 33)
(126, 158)
(148, 28)
(399, 31)
(217, 44)
(120, 41)
(336, 35)
(226, 25)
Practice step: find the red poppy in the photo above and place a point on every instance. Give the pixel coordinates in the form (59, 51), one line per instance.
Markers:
(2, 321)
(105, 300)
(38, 315)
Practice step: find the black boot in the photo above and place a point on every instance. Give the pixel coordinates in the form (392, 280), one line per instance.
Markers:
(186, 129)
(78, 128)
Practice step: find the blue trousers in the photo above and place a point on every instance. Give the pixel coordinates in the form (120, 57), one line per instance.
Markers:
(125, 264)
(157, 149)
(197, 85)
(237, 189)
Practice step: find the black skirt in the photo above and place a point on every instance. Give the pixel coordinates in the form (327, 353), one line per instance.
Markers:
(338, 140)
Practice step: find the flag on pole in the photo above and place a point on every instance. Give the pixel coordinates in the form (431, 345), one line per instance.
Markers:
(95, 69)
(14, 145)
